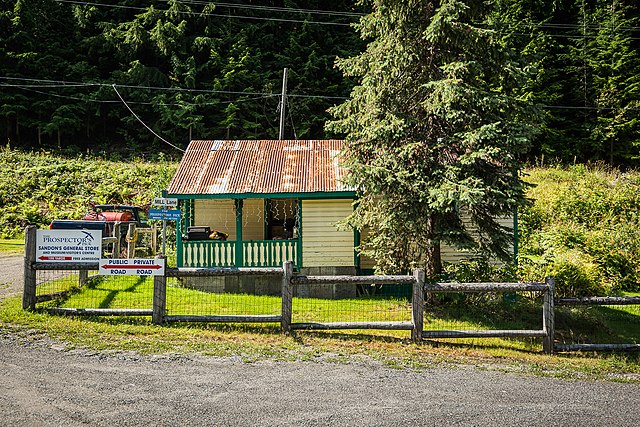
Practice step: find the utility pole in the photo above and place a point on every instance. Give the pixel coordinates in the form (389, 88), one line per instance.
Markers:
(283, 103)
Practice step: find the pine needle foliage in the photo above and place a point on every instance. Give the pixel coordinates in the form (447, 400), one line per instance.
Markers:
(435, 131)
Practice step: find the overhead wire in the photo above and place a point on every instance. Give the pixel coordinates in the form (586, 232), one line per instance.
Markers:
(143, 123)
(219, 15)
(63, 83)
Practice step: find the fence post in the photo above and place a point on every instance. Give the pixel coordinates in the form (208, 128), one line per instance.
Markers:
(83, 276)
(417, 305)
(116, 246)
(159, 297)
(29, 290)
(287, 296)
(131, 241)
(548, 316)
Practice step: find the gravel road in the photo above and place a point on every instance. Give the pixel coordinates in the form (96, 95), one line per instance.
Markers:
(11, 269)
(43, 384)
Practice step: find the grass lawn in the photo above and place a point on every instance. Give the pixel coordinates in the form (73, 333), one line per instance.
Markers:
(259, 341)
(11, 246)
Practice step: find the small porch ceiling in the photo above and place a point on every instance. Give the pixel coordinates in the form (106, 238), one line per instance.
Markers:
(261, 169)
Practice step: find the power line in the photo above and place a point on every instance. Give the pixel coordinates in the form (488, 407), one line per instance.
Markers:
(143, 123)
(30, 88)
(219, 15)
(63, 83)
(257, 95)
(274, 8)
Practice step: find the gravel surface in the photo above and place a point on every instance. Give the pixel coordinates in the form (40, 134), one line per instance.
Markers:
(42, 383)
(11, 269)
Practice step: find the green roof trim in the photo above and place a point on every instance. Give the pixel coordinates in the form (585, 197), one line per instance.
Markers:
(316, 195)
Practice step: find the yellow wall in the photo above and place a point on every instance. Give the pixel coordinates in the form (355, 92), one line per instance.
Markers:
(253, 219)
(448, 253)
(220, 215)
(323, 245)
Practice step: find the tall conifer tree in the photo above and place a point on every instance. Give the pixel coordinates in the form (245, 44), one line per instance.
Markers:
(435, 131)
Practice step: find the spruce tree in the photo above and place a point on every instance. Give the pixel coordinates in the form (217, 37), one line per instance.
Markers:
(435, 131)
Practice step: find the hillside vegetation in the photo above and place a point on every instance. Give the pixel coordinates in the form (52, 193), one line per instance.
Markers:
(583, 228)
(36, 188)
(582, 225)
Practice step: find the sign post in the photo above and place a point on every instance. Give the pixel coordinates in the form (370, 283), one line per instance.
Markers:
(165, 214)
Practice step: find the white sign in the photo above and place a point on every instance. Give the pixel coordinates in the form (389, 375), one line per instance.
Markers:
(68, 245)
(165, 201)
(132, 266)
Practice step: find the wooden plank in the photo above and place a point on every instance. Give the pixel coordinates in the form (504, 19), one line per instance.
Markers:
(599, 301)
(66, 266)
(596, 347)
(159, 299)
(417, 305)
(483, 333)
(29, 272)
(223, 271)
(100, 311)
(548, 320)
(348, 280)
(391, 326)
(287, 297)
(485, 287)
(226, 318)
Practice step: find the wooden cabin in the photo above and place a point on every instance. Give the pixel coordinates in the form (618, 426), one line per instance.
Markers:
(260, 203)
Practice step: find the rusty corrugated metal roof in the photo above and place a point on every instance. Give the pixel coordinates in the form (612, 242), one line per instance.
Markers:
(259, 167)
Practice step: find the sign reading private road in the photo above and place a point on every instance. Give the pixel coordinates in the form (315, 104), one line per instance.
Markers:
(132, 266)
(68, 245)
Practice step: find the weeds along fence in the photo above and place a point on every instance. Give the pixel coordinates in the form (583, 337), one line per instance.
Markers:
(598, 324)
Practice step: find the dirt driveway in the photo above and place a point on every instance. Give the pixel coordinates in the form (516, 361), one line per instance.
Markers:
(43, 384)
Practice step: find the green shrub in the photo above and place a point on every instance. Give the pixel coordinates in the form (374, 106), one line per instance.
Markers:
(36, 188)
(479, 270)
(583, 227)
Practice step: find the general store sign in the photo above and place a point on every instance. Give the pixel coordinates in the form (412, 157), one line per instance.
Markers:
(68, 245)
(132, 267)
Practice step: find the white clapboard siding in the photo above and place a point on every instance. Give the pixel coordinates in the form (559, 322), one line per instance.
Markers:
(323, 245)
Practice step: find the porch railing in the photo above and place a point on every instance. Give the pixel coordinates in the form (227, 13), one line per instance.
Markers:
(254, 253)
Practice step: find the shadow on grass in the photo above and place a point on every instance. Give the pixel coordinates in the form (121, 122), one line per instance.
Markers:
(597, 325)
(114, 293)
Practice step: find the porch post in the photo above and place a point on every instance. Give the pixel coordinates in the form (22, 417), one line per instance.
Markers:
(239, 260)
(299, 251)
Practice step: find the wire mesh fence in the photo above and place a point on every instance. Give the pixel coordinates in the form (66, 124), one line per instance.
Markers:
(487, 314)
(81, 289)
(367, 304)
(597, 324)
(211, 299)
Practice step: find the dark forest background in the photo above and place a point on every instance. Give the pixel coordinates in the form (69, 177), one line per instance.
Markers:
(203, 70)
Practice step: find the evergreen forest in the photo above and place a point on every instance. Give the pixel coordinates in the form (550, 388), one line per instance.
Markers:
(107, 77)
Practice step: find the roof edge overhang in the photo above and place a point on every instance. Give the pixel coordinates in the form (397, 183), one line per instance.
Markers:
(315, 195)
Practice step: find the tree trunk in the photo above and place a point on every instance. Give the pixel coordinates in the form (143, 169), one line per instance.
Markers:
(433, 256)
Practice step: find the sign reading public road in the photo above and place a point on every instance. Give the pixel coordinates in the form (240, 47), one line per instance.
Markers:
(133, 266)
(68, 245)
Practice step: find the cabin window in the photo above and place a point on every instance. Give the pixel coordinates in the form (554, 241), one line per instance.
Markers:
(282, 219)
